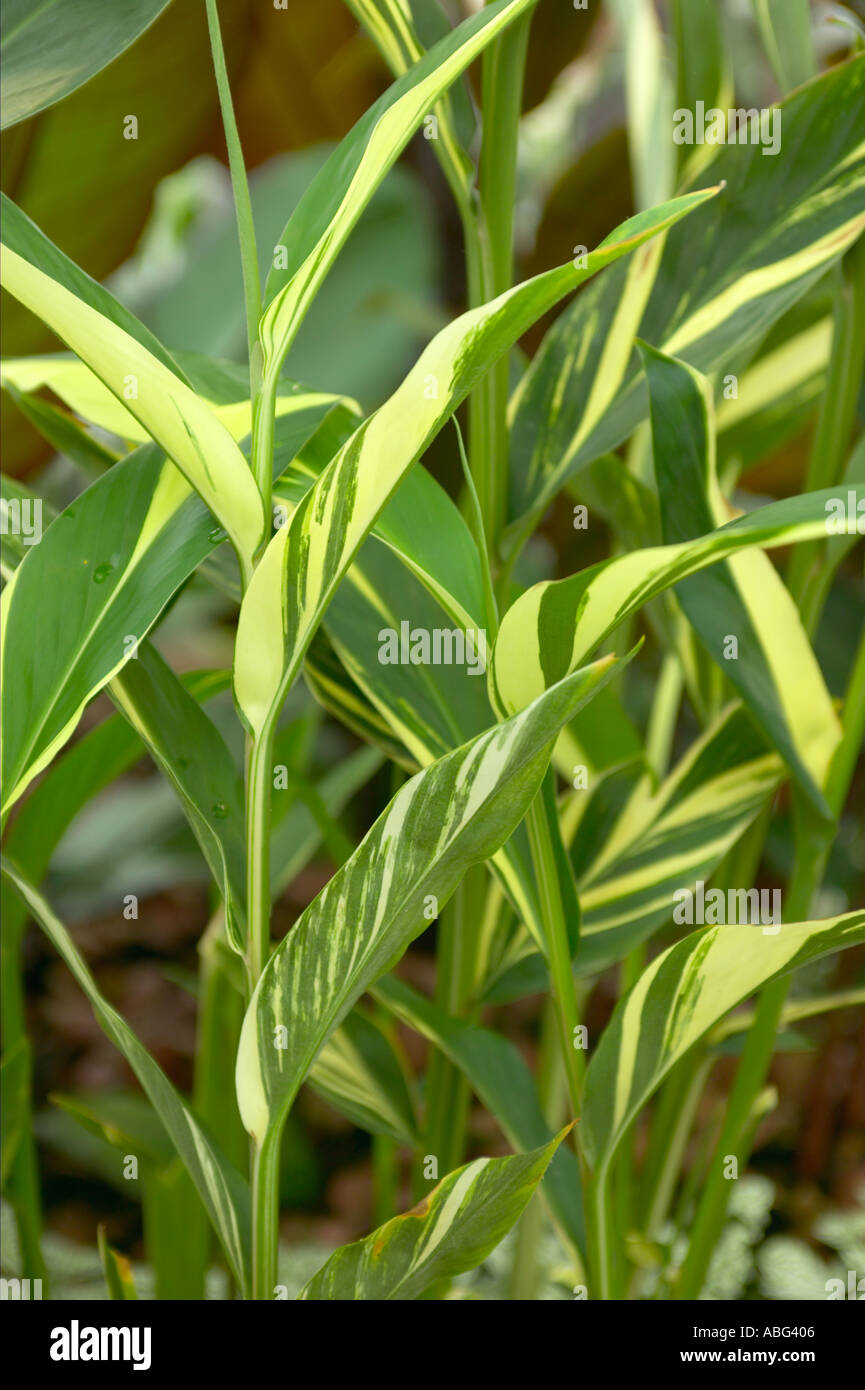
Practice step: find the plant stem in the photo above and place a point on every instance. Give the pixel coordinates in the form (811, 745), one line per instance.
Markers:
(558, 947)
(265, 1215)
(259, 773)
(503, 67)
(23, 1179)
(456, 983)
(242, 203)
(523, 1283)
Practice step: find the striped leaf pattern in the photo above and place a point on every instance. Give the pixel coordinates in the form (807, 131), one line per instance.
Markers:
(450, 1231)
(502, 1082)
(338, 195)
(775, 670)
(554, 626)
(716, 288)
(678, 998)
(360, 1073)
(110, 563)
(86, 395)
(670, 839)
(450, 816)
(222, 1190)
(306, 559)
(170, 412)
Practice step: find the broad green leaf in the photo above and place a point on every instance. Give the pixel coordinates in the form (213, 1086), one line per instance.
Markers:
(785, 26)
(193, 755)
(554, 626)
(335, 199)
(48, 49)
(93, 587)
(503, 1084)
(677, 999)
(110, 563)
(306, 559)
(672, 838)
(633, 847)
(116, 1268)
(360, 1073)
(716, 288)
(170, 412)
(774, 670)
(451, 815)
(401, 29)
(86, 395)
(221, 1188)
(94, 762)
(66, 436)
(452, 1230)
(21, 235)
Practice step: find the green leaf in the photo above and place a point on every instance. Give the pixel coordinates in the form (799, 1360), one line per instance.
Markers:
(110, 563)
(713, 290)
(503, 1084)
(85, 394)
(682, 994)
(667, 841)
(360, 1073)
(554, 626)
(451, 815)
(193, 756)
(785, 26)
(774, 670)
(222, 1190)
(49, 49)
(321, 222)
(21, 235)
(116, 1268)
(170, 412)
(452, 1230)
(306, 559)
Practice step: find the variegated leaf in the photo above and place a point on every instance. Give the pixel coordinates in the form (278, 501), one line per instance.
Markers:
(451, 1230)
(306, 559)
(554, 626)
(713, 290)
(743, 598)
(678, 998)
(451, 815)
(172, 414)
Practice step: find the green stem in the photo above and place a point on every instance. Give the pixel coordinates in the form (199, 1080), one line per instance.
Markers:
(457, 967)
(558, 948)
(242, 203)
(259, 775)
(23, 1180)
(523, 1283)
(265, 1215)
(503, 67)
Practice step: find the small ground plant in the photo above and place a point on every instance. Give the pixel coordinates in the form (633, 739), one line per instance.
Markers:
(586, 761)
